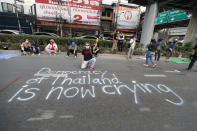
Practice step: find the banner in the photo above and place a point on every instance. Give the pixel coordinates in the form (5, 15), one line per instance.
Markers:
(73, 11)
(128, 18)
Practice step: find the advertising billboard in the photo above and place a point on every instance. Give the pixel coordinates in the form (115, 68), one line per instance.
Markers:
(128, 18)
(73, 11)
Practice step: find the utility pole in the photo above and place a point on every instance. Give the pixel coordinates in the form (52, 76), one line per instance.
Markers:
(60, 18)
(69, 13)
(18, 20)
(117, 11)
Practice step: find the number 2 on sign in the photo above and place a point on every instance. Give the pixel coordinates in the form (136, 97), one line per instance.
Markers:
(78, 18)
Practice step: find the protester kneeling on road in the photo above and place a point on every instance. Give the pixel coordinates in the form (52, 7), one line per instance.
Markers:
(26, 47)
(72, 49)
(51, 48)
(87, 58)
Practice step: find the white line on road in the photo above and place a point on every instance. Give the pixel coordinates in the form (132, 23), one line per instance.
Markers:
(52, 75)
(174, 71)
(155, 75)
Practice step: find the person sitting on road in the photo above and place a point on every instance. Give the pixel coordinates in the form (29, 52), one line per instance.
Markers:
(36, 47)
(72, 49)
(26, 47)
(87, 57)
(51, 47)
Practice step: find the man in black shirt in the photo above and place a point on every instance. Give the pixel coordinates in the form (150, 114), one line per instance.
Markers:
(193, 57)
(87, 58)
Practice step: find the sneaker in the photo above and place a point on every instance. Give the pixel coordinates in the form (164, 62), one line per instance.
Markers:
(39, 54)
(145, 65)
(32, 54)
(154, 65)
(92, 68)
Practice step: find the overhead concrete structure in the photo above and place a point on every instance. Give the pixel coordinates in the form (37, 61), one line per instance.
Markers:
(149, 23)
(186, 5)
(191, 35)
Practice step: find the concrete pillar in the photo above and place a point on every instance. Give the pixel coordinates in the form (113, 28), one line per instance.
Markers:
(191, 34)
(149, 23)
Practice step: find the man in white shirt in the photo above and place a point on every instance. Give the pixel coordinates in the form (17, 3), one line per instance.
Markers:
(131, 47)
(51, 47)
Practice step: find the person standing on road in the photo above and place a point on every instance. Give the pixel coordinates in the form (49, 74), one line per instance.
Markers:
(72, 49)
(87, 58)
(95, 48)
(193, 57)
(158, 49)
(115, 41)
(151, 52)
(132, 44)
(171, 48)
(51, 47)
(120, 42)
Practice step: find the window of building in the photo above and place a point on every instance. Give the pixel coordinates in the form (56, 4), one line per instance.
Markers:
(20, 8)
(103, 13)
(108, 13)
(7, 7)
(10, 7)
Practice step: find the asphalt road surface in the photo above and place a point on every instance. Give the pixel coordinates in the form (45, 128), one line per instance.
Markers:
(52, 93)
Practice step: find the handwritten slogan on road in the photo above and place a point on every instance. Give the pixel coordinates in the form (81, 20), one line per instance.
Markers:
(70, 84)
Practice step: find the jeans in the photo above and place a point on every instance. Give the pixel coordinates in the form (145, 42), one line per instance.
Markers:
(150, 55)
(91, 62)
(37, 49)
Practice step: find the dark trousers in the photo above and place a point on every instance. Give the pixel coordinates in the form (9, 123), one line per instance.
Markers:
(120, 45)
(193, 60)
(157, 55)
(169, 52)
(71, 51)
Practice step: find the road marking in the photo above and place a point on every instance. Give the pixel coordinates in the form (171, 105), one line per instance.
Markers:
(174, 71)
(155, 75)
(145, 109)
(66, 117)
(52, 75)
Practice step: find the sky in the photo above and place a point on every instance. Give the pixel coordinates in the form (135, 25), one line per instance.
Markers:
(122, 1)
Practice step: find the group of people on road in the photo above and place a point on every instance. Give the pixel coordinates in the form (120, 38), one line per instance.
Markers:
(32, 47)
(89, 53)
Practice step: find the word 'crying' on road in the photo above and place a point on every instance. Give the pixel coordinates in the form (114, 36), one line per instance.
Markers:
(82, 84)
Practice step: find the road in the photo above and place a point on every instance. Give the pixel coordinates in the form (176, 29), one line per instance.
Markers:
(51, 93)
